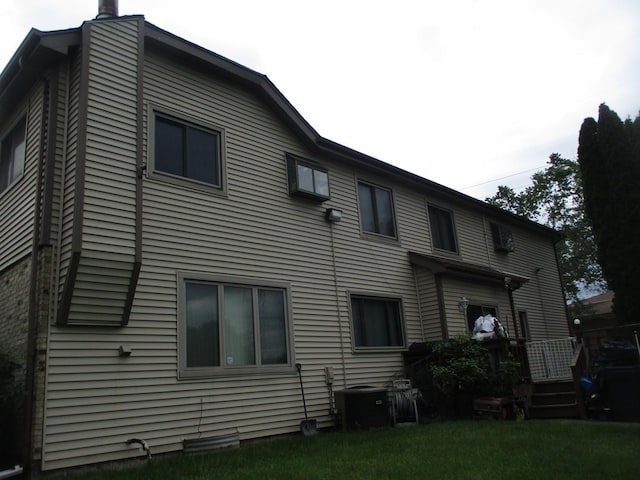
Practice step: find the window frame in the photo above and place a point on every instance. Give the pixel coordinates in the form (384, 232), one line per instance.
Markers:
(449, 212)
(6, 134)
(293, 162)
(185, 372)
(502, 238)
(483, 307)
(523, 321)
(155, 111)
(401, 322)
(376, 220)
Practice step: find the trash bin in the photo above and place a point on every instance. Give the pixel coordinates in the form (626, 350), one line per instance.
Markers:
(621, 386)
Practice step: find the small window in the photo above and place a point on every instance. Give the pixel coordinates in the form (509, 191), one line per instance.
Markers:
(227, 327)
(524, 325)
(185, 150)
(377, 322)
(502, 238)
(376, 210)
(307, 179)
(12, 155)
(442, 232)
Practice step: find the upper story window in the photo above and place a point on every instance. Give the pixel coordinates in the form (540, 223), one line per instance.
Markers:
(376, 209)
(443, 234)
(502, 238)
(12, 155)
(377, 322)
(307, 179)
(228, 327)
(187, 152)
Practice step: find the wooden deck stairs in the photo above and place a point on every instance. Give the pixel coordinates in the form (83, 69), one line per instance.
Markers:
(553, 399)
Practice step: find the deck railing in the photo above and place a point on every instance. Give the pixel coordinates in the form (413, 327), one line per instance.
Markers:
(551, 359)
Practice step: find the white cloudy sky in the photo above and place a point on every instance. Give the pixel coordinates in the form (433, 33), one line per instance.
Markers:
(463, 92)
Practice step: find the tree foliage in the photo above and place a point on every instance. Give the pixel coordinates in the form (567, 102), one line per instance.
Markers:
(609, 160)
(555, 198)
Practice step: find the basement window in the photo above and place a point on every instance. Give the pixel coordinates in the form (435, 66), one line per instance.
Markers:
(307, 179)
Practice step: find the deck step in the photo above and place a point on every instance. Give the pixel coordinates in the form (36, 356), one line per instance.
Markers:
(553, 400)
(554, 411)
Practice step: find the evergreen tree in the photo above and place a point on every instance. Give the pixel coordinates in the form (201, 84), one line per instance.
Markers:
(608, 155)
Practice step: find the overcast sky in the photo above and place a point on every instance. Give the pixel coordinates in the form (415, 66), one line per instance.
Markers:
(470, 94)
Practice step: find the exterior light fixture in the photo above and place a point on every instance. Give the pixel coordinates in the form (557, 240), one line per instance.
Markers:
(333, 215)
(463, 304)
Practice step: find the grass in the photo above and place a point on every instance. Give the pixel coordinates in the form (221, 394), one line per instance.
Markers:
(473, 450)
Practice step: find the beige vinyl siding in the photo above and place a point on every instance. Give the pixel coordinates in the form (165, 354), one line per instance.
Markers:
(256, 231)
(477, 294)
(109, 194)
(429, 308)
(17, 203)
(97, 400)
(542, 296)
(58, 134)
(67, 167)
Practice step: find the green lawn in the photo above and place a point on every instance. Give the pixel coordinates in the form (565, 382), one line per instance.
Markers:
(491, 450)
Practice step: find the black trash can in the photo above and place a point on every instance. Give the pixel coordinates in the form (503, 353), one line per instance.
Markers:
(621, 387)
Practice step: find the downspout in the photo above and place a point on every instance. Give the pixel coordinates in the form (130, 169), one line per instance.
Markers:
(56, 261)
(513, 311)
(335, 287)
(441, 307)
(32, 322)
(486, 240)
(415, 281)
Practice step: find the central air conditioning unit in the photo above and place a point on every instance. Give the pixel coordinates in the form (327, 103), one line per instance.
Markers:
(362, 408)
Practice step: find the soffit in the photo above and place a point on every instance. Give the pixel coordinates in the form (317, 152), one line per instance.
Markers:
(467, 271)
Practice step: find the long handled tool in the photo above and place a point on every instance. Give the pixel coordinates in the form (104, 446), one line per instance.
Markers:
(307, 427)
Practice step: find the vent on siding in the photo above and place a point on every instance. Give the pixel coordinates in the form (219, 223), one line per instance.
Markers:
(107, 9)
(210, 443)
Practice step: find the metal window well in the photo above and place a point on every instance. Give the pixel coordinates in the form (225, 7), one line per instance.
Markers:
(193, 445)
(551, 359)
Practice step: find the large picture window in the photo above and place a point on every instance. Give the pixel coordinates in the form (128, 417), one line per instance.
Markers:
(227, 326)
(12, 155)
(442, 232)
(377, 322)
(376, 210)
(186, 151)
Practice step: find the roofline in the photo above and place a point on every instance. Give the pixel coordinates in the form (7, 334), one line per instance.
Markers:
(40, 50)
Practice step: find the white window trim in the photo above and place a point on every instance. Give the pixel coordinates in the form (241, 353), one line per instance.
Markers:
(225, 371)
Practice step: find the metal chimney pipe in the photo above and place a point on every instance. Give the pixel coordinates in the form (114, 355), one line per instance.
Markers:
(107, 9)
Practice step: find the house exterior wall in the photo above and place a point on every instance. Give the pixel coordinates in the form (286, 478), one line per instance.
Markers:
(94, 399)
(17, 203)
(15, 281)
